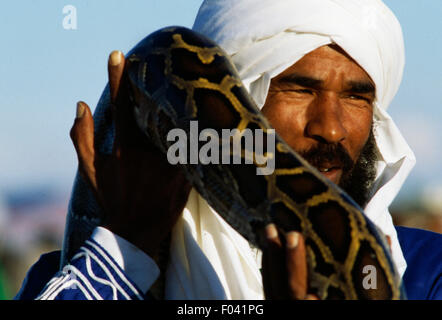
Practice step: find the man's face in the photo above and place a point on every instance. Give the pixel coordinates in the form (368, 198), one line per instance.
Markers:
(322, 107)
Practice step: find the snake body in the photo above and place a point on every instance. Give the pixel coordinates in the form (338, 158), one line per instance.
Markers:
(176, 76)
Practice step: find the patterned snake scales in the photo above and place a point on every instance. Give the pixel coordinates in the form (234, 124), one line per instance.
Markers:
(176, 75)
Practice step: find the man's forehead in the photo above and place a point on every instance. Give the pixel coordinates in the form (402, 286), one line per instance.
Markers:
(332, 48)
(317, 63)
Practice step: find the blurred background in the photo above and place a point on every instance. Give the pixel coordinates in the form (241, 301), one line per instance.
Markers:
(45, 68)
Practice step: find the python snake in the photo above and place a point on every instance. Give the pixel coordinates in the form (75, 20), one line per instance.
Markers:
(175, 76)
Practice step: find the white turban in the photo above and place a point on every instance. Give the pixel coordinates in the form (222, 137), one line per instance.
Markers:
(265, 37)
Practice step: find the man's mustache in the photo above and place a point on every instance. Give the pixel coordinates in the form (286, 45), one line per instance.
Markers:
(326, 154)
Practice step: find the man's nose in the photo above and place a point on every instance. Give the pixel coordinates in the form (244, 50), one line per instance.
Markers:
(325, 120)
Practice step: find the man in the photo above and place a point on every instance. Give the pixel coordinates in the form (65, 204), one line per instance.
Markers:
(323, 72)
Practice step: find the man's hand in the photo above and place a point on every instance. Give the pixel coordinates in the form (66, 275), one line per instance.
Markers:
(140, 192)
(143, 195)
(284, 266)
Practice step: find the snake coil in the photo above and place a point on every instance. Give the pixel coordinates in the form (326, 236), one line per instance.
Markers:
(176, 76)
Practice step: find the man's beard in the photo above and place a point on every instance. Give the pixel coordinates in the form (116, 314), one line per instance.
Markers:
(357, 178)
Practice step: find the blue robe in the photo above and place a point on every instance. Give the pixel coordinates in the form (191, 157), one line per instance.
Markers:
(423, 252)
(93, 274)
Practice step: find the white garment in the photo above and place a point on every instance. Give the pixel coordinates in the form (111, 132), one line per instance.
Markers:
(140, 268)
(209, 259)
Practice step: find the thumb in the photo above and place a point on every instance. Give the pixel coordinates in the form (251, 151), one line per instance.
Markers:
(82, 135)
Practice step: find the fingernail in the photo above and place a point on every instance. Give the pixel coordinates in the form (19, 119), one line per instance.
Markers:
(80, 109)
(115, 58)
(271, 231)
(292, 239)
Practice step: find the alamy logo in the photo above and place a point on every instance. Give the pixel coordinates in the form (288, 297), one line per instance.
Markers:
(223, 149)
(370, 280)
(70, 18)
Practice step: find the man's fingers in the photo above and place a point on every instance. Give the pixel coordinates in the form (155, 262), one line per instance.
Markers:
(126, 133)
(82, 135)
(296, 265)
(82, 132)
(284, 266)
(276, 274)
(267, 272)
(115, 69)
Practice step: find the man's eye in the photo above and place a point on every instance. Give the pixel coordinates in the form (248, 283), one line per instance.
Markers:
(356, 97)
(307, 91)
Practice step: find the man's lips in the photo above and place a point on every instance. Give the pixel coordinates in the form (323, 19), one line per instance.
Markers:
(332, 173)
(329, 159)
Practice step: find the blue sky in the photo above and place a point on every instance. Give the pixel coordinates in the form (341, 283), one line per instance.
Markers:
(46, 69)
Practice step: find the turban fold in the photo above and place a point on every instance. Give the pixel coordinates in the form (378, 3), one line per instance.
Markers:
(263, 38)
(266, 37)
